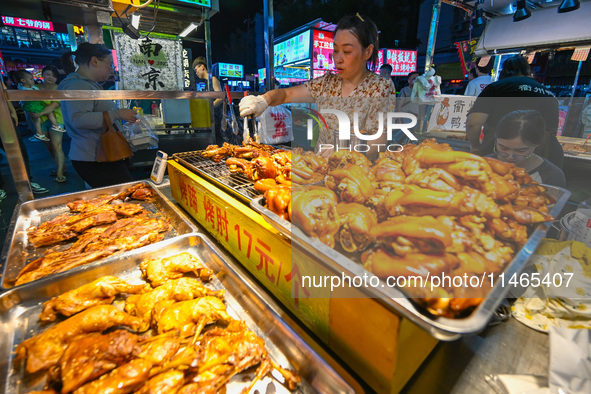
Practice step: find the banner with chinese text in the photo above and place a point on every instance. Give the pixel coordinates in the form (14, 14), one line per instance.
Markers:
(153, 63)
(450, 113)
(402, 61)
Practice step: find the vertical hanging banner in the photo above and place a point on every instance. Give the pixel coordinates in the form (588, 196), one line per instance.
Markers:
(149, 63)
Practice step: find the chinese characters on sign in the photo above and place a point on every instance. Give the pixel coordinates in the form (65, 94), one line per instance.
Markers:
(450, 113)
(27, 23)
(402, 61)
(322, 52)
(230, 70)
(466, 53)
(292, 49)
(186, 68)
(150, 63)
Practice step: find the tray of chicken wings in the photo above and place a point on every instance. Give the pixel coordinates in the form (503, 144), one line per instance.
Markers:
(236, 168)
(70, 231)
(442, 232)
(174, 320)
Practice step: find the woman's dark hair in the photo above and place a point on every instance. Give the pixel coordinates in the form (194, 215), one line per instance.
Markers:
(515, 66)
(53, 69)
(365, 31)
(82, 56)
(473, 72)
(529, 125)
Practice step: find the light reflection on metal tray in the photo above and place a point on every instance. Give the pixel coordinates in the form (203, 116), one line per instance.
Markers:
(20, 308)
(18, 252)
(281, 225)
(440, 327)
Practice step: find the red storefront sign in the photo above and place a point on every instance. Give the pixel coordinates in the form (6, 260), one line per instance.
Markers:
(466, 53)
(322, 50)
(402, 61)
(27, 23)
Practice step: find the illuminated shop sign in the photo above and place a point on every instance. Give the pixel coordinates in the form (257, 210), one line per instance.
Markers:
(230, 70)
(27, 23)
(293, 49)
(322, 52)
(204, 3)
(78, 30)
(402, 61)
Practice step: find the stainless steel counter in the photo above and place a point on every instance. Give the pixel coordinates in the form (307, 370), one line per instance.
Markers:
(458, 367)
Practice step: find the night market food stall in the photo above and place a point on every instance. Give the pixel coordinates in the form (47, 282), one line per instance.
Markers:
(376, 343)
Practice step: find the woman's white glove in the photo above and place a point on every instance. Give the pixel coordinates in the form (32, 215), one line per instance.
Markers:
(252, 105)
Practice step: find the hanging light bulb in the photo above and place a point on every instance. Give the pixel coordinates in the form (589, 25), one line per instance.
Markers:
(522, 11)
(568, 5)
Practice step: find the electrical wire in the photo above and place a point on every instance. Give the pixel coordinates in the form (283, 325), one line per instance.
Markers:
(156, 7)
(147, 3)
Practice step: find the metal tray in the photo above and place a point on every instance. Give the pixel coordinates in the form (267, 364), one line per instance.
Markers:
(440, 327)
(21, 306)
(17, 251)
(238, 185)
(281, 225)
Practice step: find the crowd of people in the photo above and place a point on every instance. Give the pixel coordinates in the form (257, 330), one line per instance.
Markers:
(356, 44)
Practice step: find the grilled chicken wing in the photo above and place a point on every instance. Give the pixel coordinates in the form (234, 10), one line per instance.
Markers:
(159, 271)
(101, 291)
(45, 349)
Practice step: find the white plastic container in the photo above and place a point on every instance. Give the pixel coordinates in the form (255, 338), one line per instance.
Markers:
(580, 225)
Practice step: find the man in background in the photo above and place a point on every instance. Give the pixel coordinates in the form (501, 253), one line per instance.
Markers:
(481, 80)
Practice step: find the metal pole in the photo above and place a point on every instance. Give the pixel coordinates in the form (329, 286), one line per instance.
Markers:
(10, 140)
(269, 38)
(572, 95)
(496, 67)
(207, 28)
(432, 34)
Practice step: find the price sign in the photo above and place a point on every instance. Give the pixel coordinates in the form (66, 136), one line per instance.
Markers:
(258, 247)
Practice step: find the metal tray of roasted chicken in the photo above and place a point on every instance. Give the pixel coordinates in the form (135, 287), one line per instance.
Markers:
(21, 306)
(440, 327)
(19, 249)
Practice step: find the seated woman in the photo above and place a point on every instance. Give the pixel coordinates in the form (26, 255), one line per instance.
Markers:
(520, 137)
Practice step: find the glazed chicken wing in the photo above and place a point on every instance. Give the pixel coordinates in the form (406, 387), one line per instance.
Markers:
(45, 349)
(278, 200)
(122, 380)
(90, 356)
(159, 271)
(101, 291)
(189, 317)
(178, 290)
(216, 153)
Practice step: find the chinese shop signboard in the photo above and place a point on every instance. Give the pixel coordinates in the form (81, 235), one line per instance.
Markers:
(293, 49)
(203, 3)
(149, 63)
(450, 113)
(230, 70)
(466, 53)
(27, 23)
(322, 52)
(402, 61)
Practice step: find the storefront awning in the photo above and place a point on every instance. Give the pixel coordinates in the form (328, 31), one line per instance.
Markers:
(545, 29)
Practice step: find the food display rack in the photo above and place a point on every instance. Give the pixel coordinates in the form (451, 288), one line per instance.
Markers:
(380, 345)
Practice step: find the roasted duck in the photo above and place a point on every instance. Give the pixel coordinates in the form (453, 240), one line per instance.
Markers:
(101, 291)
(159, 271)
(189, 317)
(44, 350)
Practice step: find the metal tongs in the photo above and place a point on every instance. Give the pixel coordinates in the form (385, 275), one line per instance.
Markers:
(234, 120)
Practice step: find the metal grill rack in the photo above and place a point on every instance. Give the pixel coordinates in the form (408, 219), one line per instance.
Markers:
(217, 173)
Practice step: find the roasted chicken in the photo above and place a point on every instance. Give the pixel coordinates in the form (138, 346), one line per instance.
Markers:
(122, 380)
(189, 317)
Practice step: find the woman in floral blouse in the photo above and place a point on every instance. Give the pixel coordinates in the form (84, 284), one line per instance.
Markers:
(354, 88)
